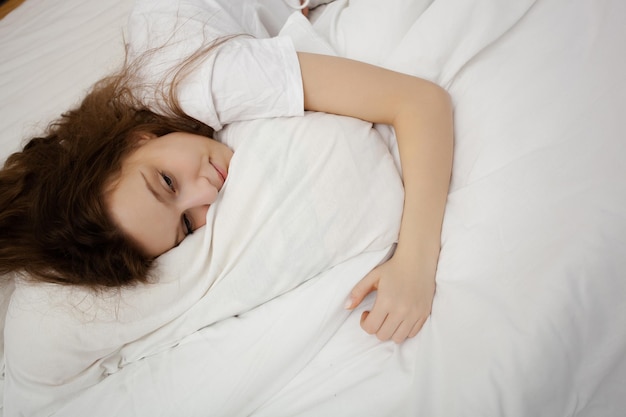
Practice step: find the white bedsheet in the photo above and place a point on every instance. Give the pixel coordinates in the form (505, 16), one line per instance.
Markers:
(530, 312)
(303, 195)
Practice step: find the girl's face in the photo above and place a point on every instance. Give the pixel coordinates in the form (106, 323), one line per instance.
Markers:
(166, 187)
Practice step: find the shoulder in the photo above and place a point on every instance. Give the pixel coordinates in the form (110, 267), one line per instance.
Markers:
(257, 78)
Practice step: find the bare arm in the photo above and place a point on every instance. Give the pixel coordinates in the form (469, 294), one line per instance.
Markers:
(421, 114)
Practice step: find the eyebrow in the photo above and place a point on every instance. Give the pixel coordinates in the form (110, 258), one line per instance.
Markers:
(160, 198)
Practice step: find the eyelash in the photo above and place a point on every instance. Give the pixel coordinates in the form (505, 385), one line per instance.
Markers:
(186, 222)
(168, 181)
(188, 226)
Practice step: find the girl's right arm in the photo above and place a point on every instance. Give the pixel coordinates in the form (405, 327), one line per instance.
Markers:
(421, 114)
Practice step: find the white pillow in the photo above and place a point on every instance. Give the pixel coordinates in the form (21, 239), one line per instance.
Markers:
(303, 194)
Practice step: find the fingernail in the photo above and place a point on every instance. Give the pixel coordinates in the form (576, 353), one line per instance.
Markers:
(348, 304)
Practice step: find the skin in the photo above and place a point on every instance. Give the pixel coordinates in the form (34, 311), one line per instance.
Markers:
(166, 187)
(421, 114)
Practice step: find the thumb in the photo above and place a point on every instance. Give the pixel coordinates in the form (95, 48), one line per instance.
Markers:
(365, 286)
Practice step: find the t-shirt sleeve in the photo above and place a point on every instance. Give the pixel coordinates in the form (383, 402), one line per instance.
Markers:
(246, 78)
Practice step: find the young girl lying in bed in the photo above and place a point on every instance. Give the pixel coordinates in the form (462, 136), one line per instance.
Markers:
(128, 174)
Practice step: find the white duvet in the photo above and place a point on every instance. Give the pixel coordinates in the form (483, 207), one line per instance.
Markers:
(530, 309)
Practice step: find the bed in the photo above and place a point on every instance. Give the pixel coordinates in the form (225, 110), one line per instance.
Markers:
(529, 316)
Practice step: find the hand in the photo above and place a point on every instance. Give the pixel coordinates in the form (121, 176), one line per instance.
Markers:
(403, 302)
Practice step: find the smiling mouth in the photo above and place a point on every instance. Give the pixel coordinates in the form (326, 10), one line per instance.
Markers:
(221, 173)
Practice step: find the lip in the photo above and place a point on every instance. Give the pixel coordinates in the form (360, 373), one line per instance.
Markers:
(220, 172)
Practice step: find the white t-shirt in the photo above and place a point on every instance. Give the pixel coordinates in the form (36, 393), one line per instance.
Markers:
(249, 76)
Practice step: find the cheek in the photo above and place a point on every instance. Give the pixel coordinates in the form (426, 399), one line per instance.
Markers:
(199, 216)
(147, 224)
(183, 163)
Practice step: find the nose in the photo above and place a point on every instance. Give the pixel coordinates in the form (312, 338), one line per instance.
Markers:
(196, 199)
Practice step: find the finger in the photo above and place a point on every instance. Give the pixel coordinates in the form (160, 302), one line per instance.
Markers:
(403, 331)
(373, 320)
(364, 316)
(417, 327)
(389, 328)
(368, 284)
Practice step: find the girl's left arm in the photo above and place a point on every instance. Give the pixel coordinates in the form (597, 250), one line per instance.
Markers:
(421, 114)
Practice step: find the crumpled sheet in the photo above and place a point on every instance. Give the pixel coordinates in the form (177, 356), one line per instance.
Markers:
(529, 314)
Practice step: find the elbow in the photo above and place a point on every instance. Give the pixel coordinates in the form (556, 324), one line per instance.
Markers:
(425, 97)
(427, 102)
(437, 104)
(439, 99)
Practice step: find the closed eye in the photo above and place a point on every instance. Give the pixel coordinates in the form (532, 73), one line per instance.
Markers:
(187, 224)
(168, 181)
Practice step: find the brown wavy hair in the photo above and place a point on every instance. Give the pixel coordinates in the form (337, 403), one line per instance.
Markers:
(53, 220)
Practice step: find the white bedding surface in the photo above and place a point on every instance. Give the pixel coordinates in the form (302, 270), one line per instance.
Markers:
(52, 53)
(530, 312)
